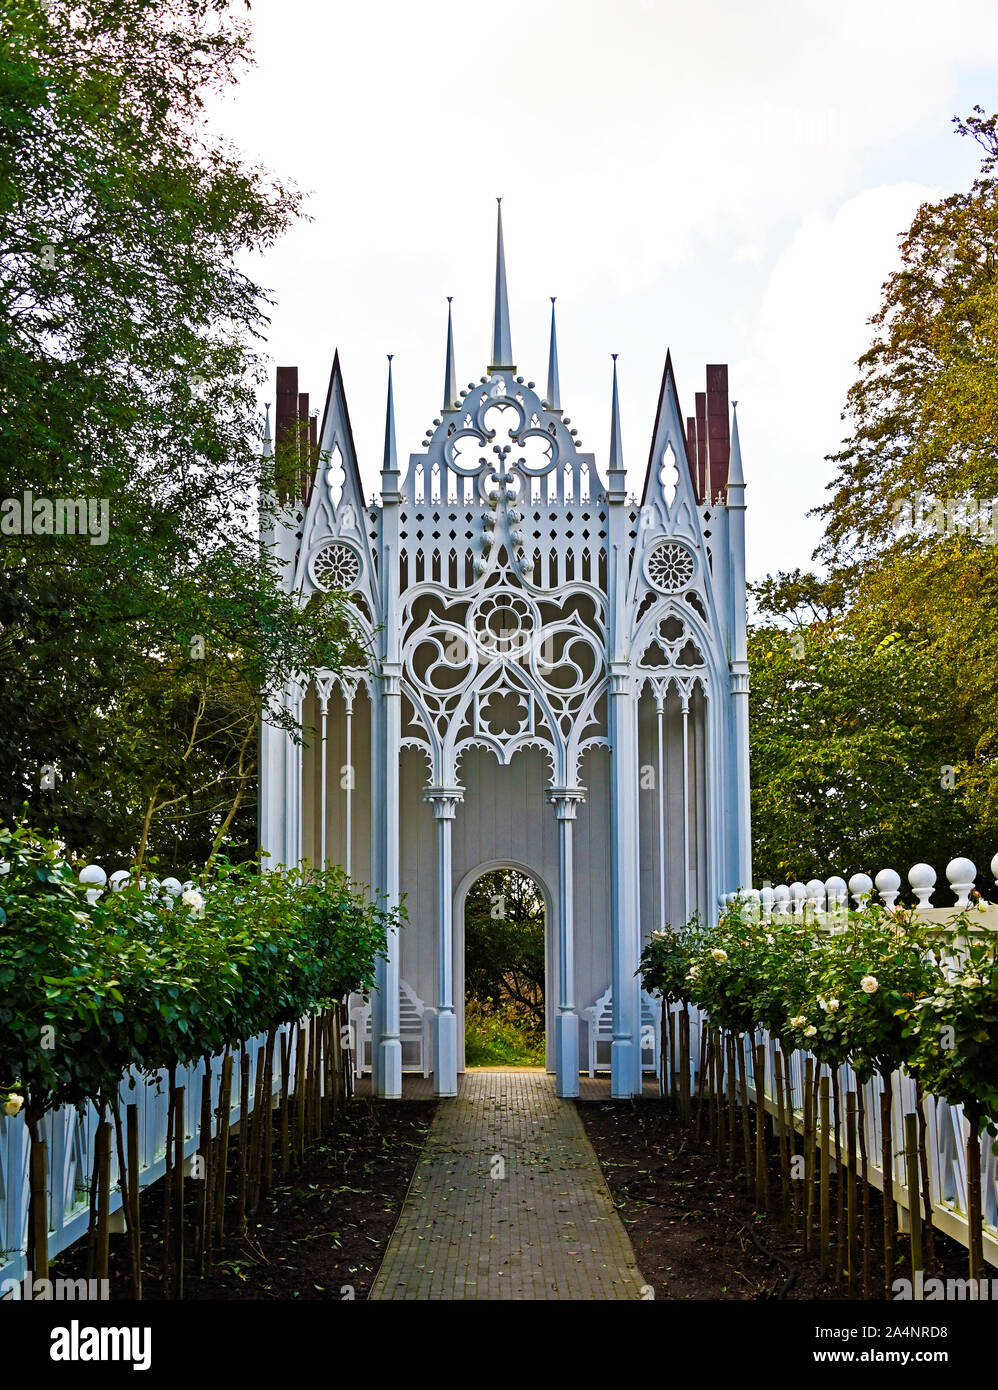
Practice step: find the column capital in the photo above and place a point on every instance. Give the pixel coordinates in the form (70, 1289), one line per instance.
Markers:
(445, 801)
(739, 677)
(565, 800)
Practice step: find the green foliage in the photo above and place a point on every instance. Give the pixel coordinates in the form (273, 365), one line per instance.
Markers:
(851, 730)
(877, 992)
(129, 368)
(501, 1035)
(504, 943)
(137, 980)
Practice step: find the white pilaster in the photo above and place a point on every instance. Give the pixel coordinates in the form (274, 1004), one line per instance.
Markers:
(445, 801)
(566, 1029)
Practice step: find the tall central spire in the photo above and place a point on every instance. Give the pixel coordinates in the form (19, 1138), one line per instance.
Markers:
(502, 347)
(450, 374)
(554, 385)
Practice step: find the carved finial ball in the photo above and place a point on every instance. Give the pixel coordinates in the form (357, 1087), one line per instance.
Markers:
(471, 385)
(921, 876)
(994, 866)
(961, 871)
(887, 881)
(93, 873)
(860, 884)
(531, 385)
(484, 379)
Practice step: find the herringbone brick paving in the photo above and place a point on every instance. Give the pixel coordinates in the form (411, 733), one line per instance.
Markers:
(508, 1202)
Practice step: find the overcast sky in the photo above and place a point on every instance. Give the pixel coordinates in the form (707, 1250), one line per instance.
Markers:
(727, 179)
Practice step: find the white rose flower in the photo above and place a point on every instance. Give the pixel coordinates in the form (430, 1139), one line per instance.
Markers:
(193, 899)
(822, 1005)
(769, 938)
(869, 984)
(694, 972)
(719, 955)
(810, 1031)
(831, 1005)
(798, 1022)
(971, 981)
(12, 1104)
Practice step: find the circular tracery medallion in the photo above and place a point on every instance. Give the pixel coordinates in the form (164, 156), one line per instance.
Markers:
(335, 566)
(501, 624)
(670, 567)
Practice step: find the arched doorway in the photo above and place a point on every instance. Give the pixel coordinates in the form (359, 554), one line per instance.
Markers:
(504, 967)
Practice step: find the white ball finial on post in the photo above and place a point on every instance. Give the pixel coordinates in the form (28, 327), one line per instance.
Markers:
(860, 886)
(888, 882)
(961, 874)
(922, 878)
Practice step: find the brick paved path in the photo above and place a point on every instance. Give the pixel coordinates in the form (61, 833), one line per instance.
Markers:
(547, 1229)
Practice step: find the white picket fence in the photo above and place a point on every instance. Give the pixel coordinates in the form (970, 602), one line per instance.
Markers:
(825, 904)
(71, 1134)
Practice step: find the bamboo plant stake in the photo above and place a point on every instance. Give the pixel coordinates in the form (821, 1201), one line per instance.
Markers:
(102, 1248)
(975, 1230)
(887, 1170)
(285, 1101)
(224, 1117)
(685, 1090)
(39, 1222)
(791, 1115)
(256, 1140)
(134, 1226)
(268, 1113)
(300, 1066)
(781, 1120)
(761, 1175)
(168, 1183)
(808, 1194)
(701, 1080)
(746, 1127)
(851, 1194)
(180, 1136)
(729, 1048)
(913, 1178)
(826, 1180)
(864, 1186)
(204, 1156)
(839, 1208)
(928, 1237)
(244, 1124)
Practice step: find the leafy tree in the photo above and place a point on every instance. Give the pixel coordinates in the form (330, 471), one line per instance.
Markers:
(504, 943)
(852, 737)
(129, 362)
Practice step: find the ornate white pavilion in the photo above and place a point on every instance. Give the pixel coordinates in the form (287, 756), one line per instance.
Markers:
(558, 684)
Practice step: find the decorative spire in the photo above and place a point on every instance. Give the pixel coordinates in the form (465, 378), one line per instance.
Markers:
(268, 442)
(390, 464)
(616, 451)
(450, 374)
(736, 478)
(502, 348)
(554, 385)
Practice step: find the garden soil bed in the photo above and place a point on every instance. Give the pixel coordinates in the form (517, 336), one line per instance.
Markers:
(696, 1232)
(321, 1232)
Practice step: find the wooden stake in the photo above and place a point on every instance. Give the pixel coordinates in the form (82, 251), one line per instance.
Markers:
(685, 1092)
(268, 1114)
(134, 1193)
(746, 1122)
(204, 1155)
(256, 1143)
(244, 1126)
(761, 1173)
(839, 1207)
(781, 1120)
(285, 1101)
(102, 1248)
(887, 1169)
(808, 1193)
(914, 1202)
(975, 1231)
(826, 1181)
(864, 1188)
(224, 1114)
(851, 1192)
(178, 1178)
(729, 1049)
(39, 1223)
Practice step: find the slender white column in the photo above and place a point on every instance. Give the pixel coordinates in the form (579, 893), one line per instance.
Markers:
(660, 699)
(625, 1050)
(391, 1044)
(566, 1029)
(685, 697)
(348, 695)
(324, 689)
(445, 801)
(377, 873)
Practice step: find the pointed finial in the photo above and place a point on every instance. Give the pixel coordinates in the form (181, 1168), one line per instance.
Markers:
(736, 478)
(554, 385)
(502, 347)
(268, 443)
(450, 375)
(390, 464)
(616, 451)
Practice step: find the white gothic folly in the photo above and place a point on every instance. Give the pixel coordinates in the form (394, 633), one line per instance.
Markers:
(558, 684)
